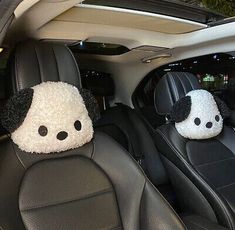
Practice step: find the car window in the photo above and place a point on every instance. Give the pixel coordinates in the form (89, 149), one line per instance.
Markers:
(215, 72)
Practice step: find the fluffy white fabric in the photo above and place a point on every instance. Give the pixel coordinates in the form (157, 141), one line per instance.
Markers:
(205, 108)
(55, 105)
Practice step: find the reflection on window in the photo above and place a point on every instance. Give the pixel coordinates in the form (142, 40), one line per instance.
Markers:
(215, 72)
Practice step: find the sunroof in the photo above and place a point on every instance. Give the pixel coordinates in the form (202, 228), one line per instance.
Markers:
(201, 11)
(98, 48)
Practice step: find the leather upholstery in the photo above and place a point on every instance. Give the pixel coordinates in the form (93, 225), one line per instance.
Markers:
(171, 88)
(60, 190)
(96, 186)
(208, 164)
(71, 199)
(197, 222)
(185, 155)
(34, 62)
(139, 141)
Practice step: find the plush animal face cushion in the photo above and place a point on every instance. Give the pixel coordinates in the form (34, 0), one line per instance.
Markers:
(47, 118)
(199, 115)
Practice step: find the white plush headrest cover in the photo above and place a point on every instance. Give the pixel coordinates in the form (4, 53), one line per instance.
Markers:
(57, 120)
(203, 120)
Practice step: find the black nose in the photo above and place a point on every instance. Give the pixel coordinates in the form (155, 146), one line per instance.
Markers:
(62, 135)
(209, 125)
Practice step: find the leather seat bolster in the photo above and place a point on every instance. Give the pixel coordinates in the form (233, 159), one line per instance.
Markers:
(173, 147)
(143, 195)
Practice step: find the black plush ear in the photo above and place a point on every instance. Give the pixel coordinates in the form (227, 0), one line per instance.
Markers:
(91, 104)
(223, 108)
(181, 109)
(16, 109)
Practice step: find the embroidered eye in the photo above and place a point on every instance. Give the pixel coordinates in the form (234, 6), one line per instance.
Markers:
(197, 121)
(42, 130)
(77, 125)
(217, 118)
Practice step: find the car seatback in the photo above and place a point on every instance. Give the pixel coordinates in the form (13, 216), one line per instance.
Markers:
(96, 186)
(205, 169)
(128, 128)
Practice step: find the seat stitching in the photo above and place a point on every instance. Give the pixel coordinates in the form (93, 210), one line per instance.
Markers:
(186, 75)
(228, 185)
(116, 228)
(16, 73)
(174, 87)
(56, 63)
(76, 66)
(168, 87)
(20, 160)
(39, 66)
(141, 198)
(92, 195)
(196, 224)
(185, 90)
(200, 178)
(214, 162)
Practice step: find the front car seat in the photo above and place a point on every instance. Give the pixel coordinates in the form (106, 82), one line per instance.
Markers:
(202, 171)
(96, 186)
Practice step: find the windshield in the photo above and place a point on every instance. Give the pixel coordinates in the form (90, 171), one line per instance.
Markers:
(203, 11)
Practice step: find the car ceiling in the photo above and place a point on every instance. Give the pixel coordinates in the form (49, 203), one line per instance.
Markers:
(67, 19)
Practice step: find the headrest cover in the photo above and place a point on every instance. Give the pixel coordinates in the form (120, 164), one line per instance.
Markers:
(199, 115)
(33, 62)
(49, 117)
(171, 88)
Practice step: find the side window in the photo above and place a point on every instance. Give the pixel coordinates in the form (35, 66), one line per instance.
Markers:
(215, 72)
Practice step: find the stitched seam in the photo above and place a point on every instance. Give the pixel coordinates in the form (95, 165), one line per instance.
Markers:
(116, 228)
(76, 66)
(192, 222)
(20, 160)
(141, 198)
(93, 149)
(185, 90)
(56, 63)
(171, 78)
(169, 89)
(92, 195)
(201, 179)
(214, 162)
(39, 66)
(186, 75)
(16, 72)
(225, 186)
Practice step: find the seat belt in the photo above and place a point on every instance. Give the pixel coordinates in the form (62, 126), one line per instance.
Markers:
(136, 149)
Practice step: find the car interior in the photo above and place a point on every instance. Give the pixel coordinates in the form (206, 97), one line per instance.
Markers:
(137, 66)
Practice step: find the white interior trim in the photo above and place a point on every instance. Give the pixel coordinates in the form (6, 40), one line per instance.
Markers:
(142, 13)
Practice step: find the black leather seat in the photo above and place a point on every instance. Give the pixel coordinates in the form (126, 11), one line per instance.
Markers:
(202, 172)
(97, 186)
(34, 62)
(130, 130)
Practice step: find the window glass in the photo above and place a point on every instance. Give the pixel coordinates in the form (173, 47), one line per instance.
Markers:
(215, 72)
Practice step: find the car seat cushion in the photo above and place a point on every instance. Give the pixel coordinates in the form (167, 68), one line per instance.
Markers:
(47, 118)
(199, 115)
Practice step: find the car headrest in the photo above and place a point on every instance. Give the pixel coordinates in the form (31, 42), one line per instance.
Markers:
(172, 87)
(49, 117)
(33, 62)
(99, 85)
(199, 115)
